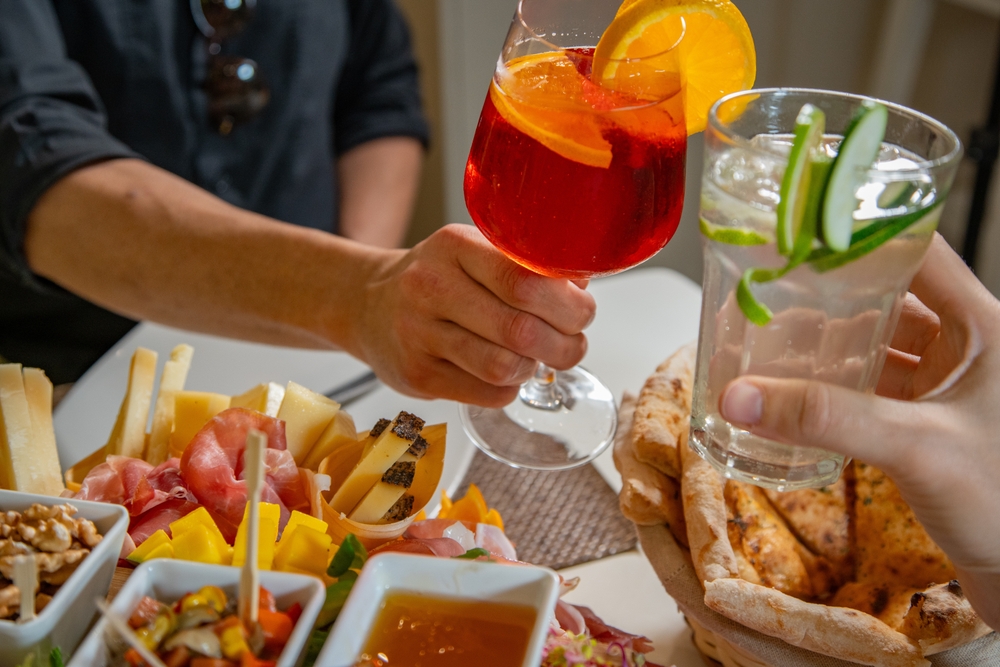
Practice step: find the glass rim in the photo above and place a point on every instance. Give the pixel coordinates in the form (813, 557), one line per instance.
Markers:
(531, 31)
(923, 165)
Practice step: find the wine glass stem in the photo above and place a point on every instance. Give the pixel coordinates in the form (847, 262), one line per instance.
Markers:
(541, 391)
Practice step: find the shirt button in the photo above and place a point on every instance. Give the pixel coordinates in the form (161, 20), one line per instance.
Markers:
(222, 186)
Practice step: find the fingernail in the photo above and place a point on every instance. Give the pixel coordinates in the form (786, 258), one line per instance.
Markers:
(743, 403)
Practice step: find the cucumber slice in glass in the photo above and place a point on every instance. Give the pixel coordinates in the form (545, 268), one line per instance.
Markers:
(809, 127)
(858, 151)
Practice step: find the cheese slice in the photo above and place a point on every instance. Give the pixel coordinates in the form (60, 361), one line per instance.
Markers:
(171, 381)
(129, 435)
(15, 429)
(192, 410)
(386, 493)
(46, 474)
(264, 398)
(385, 451)
(339, 432)
(306, 415)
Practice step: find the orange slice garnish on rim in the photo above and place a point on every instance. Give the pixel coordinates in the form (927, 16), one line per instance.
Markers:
(541, 98)
(714, 53)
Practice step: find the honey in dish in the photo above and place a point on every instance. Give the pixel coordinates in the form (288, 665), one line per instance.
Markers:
(417, 631)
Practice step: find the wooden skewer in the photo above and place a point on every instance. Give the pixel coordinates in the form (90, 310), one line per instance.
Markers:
(253, 466)
(26, 580)
(122, 627)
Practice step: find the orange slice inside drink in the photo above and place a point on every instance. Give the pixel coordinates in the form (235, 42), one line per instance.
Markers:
(713, 52)
(541, 97)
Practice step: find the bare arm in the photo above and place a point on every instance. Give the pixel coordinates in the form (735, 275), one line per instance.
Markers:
(378, 186)
(451, 318)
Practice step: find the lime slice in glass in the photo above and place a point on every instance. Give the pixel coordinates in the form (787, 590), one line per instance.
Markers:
(809, 127)
(857, 153)
(731, 235)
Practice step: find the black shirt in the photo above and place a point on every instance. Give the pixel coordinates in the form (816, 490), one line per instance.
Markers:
(87, 80)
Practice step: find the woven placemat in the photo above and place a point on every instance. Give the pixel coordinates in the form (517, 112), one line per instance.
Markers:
(556, 519)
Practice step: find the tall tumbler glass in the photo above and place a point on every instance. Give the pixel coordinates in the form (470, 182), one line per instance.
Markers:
(832, 319)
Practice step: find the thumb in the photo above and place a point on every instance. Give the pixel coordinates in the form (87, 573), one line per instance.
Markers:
(877, 430)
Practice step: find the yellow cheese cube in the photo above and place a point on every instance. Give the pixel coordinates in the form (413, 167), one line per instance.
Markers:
(196, 537)
(305, 551)
(264, 398)
(267, 536)
(306, 415)
(198, 544)
(192, 410)
(152, 544)
(301, 519)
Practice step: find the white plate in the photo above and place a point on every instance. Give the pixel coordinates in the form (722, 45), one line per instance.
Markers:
(454, 578)
(66, 618)
(169, 580)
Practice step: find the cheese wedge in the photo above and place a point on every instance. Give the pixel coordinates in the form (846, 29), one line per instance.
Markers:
(192, 410)
(264, 398)
(339, 432)
(171, 381)
(48, 478)
(306, 415)
(22, 468)
(129, 435)
(384, 451)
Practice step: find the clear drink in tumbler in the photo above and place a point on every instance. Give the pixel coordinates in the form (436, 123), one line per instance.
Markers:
(833, 319)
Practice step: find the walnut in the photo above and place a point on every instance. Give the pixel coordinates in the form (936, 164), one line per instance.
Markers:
(52, 568)
(41, 601)
(10, 600)
(10, 548)
(8, 521)
(53, 528)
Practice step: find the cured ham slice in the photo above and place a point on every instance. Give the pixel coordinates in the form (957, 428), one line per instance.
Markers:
(159, 518)
(442, 547)
(486, 536)
(606, 634)
(135, 484)
(212, 467)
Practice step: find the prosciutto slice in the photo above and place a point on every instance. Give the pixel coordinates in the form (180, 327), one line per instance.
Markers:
(135, 484)
(212, 467)
(486, 536)
(442, 547)
(159, 518)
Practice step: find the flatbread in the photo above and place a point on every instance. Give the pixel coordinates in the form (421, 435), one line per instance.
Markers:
(705, 514)
(648, 497)
(836, 631)
(663, 413)
(845, 571)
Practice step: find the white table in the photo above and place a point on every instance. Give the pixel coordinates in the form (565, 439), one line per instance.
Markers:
(642, 316)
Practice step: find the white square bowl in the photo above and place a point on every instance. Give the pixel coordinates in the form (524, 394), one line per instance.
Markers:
(455, 578)
(168, 580)
(66, 618)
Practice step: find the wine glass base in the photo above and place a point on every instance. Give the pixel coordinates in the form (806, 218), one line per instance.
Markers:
(573, 434)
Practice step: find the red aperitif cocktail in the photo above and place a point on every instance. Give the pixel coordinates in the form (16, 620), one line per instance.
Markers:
(577, 170)
(570, 179)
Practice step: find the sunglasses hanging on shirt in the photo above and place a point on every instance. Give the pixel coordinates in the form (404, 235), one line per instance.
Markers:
(236, 88)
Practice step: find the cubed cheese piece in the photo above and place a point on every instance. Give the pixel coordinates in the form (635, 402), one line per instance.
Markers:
(265, 398)
(157, 545)
(171, 381)
(306, 415)
(301, 519)
(197, 538)
(267, 536)
(129, 435)
(306, 551)
(391, 444)
(192, 410)
(340, 431)
(45, 474)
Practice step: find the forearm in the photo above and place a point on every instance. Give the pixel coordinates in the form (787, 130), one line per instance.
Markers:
(378, 187)
(142, 242)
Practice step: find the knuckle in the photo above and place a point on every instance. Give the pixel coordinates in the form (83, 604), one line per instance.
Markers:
(815, 418)
(520, 331)
(503, 368)
(519, 286)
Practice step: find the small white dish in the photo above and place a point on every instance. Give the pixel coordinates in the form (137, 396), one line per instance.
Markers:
(70, 613)
(454, 578)
(168, 580)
